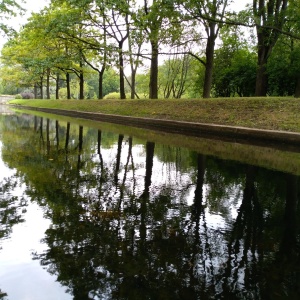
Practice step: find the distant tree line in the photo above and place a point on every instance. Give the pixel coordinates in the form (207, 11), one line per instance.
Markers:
(88, 49)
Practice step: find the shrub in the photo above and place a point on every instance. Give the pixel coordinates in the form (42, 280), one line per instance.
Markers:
(113, 95)
(18, 96)
(27, 95)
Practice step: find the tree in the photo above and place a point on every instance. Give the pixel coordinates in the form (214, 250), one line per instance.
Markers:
(174, 76)
(235, 65)
(43, 53)
(210, 14)
(99, 58)
(70, 26)
(117, 20)
(294, 27)
(296, 60)
(282, 68)
(142, 85)
(101, 34)
(21, 65)
(269, 18)
(135, 42)
(159, 21)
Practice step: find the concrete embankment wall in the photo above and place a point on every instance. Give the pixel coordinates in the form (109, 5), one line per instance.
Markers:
(5, 98)
(259, 137)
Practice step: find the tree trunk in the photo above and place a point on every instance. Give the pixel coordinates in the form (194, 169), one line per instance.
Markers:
(41, 130)
(133, 73)
(210, 47)
(121, 70)
(150, 146)
(199, 185)
(68, 86)
(80, 139)
(153, 85)
(81, 82)
(57, 134)
(100, 81)
(57, 87)
(81, 86)
(67, 136)
(41, 89)
(80, 143)
(48, 136)
(99, 142)
(48, 84)
(261, 86)
(118, 158)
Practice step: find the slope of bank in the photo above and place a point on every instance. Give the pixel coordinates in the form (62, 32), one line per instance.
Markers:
(259, 113)
(251, 120)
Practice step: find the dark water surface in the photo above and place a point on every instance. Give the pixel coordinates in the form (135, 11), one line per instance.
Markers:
(100, 212)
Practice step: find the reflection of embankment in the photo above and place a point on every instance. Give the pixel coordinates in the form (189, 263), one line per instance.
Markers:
(278, 156)
(223, 132)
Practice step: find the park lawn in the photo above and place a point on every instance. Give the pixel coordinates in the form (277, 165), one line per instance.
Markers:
(274, 113)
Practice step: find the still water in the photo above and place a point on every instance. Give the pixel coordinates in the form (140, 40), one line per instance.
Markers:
(91, 211)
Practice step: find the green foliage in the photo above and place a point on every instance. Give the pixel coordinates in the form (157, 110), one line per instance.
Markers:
(173, 76)
(235, 65)
(113, 95)
(8, 87)
(281, 70)
(269, 18)
(88, 90)
(194, 88)
(234, 74)
(284, 62)
(110, 82)
(142, 85)
(60, 39)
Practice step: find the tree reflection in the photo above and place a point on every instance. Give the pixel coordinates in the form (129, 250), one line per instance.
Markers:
(282, 271)
(41, 132)
(244, 245)
(202, 228)
(12, 207)
(201, 268)
(67, 136)
(118, 159)
(2, 295)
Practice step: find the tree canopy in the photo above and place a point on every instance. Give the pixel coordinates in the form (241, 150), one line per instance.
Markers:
(177, 48)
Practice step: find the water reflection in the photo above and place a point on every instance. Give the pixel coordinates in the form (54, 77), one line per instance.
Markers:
(134, 219)
(11, 207)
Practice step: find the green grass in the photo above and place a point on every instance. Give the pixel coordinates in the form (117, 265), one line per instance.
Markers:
(275, 113)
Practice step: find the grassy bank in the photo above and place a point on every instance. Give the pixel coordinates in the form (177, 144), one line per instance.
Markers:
(263, 113)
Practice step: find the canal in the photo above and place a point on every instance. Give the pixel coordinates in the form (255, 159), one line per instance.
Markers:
(92, 210)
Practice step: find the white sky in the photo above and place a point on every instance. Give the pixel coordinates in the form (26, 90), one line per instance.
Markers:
(30, 6)
(17, 22)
